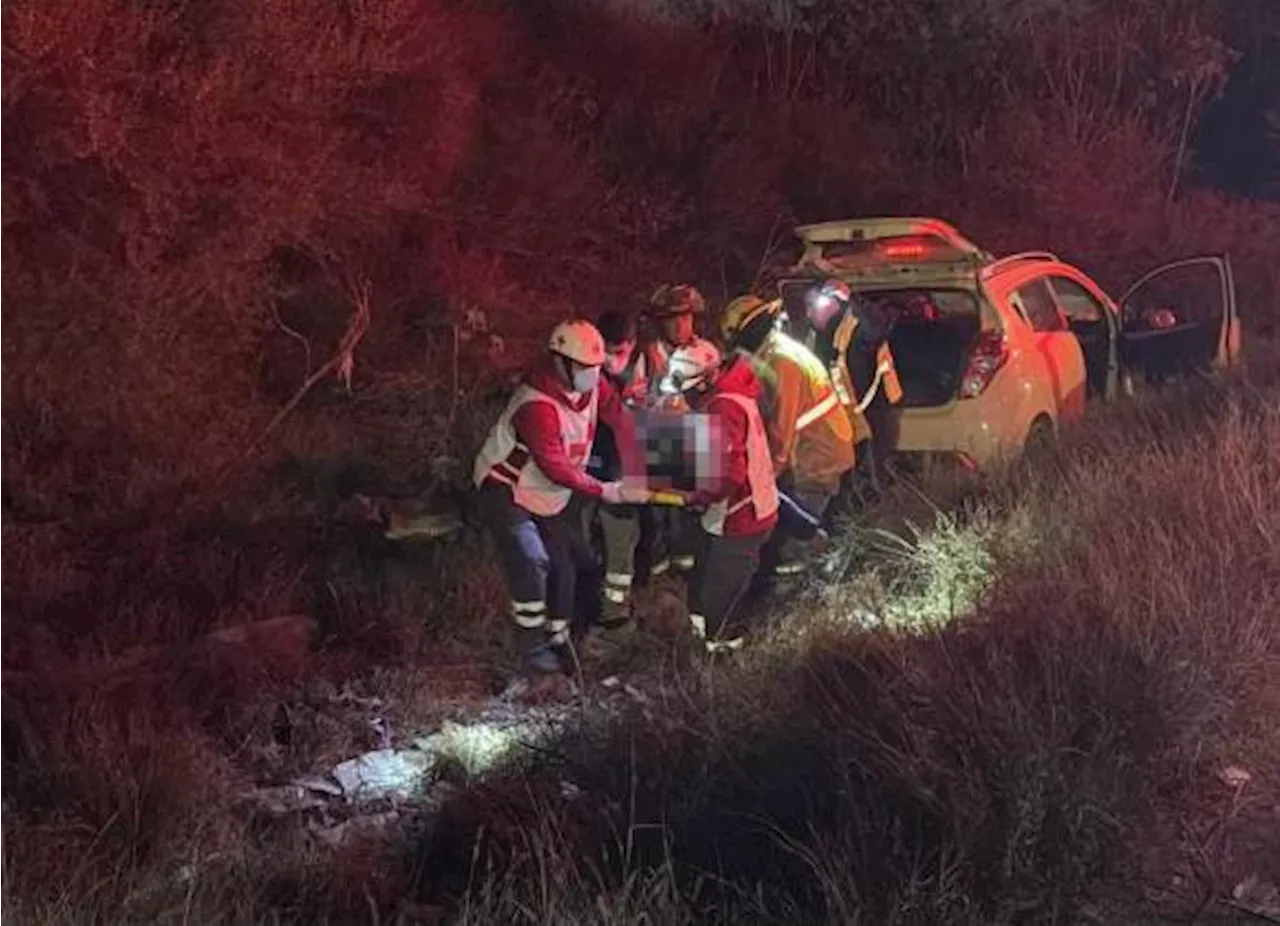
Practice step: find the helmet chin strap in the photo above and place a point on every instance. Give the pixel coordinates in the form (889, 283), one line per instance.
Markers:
(564, 369)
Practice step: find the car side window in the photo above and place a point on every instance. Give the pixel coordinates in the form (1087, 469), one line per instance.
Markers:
(1038, 305)
(1078, 303)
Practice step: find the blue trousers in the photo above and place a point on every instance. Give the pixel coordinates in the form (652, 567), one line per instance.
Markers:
(548, 563)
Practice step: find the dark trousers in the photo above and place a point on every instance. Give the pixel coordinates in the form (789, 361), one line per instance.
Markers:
(545, 561)
(620, 536)
(723, 571)
(670, 534)
(884, 419)
(783, 548)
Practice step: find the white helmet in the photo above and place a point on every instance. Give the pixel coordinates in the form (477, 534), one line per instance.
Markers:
(580, 341)
(690, 367)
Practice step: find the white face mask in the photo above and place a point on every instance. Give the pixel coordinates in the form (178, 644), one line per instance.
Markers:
(586, 379)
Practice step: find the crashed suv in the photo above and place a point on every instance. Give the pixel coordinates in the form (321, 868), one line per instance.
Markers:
(996, 353)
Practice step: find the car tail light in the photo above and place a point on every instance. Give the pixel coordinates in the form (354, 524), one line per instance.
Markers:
(987, 357)
(911, 249)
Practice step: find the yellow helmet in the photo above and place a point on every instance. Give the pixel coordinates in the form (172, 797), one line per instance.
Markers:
(743, 311)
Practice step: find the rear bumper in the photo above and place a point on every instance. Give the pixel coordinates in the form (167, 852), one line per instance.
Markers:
(959, 428)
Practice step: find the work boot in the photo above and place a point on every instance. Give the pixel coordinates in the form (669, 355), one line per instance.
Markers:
(608, 641)
(616, 602)
(537, 654)
(724, 649)
(714, 648)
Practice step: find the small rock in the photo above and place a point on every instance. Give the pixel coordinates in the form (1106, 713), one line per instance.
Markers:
(383, 773)
(1233, 776)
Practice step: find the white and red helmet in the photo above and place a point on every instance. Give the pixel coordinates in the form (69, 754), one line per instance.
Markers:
(690, 367)
(580, 341)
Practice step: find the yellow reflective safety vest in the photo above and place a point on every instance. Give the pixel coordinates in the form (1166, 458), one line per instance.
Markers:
(810, 433)
(885, 378)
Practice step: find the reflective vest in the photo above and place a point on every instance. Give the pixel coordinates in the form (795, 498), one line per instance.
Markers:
(505, 459)
(886, 375)
(762, 489)
(817, 443)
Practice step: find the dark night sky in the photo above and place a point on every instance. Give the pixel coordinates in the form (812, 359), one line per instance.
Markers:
(1233, 151)
(1232, 144)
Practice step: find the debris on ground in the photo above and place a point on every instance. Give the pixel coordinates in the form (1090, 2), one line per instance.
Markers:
(384, 773)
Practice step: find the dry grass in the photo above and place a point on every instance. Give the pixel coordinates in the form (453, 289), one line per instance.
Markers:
(1063, 657)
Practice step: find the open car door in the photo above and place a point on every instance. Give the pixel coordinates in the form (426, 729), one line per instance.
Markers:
(1179, 319)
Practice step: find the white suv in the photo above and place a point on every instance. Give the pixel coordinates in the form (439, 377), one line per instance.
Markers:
(994, 352)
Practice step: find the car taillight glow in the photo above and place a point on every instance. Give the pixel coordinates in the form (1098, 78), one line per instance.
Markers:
(988, 356)
(904, 250)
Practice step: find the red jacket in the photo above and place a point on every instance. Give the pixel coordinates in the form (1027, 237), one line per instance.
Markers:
(538, 428)
(738, 378)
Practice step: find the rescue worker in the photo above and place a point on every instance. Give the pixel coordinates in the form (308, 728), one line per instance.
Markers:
(675, 309)
(810, 435)
(852, 339)
(741, 506)
(625, 371)
(527, 472)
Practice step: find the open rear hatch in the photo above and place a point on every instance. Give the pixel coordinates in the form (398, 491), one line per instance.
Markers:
(920, 274)
(884, 246)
